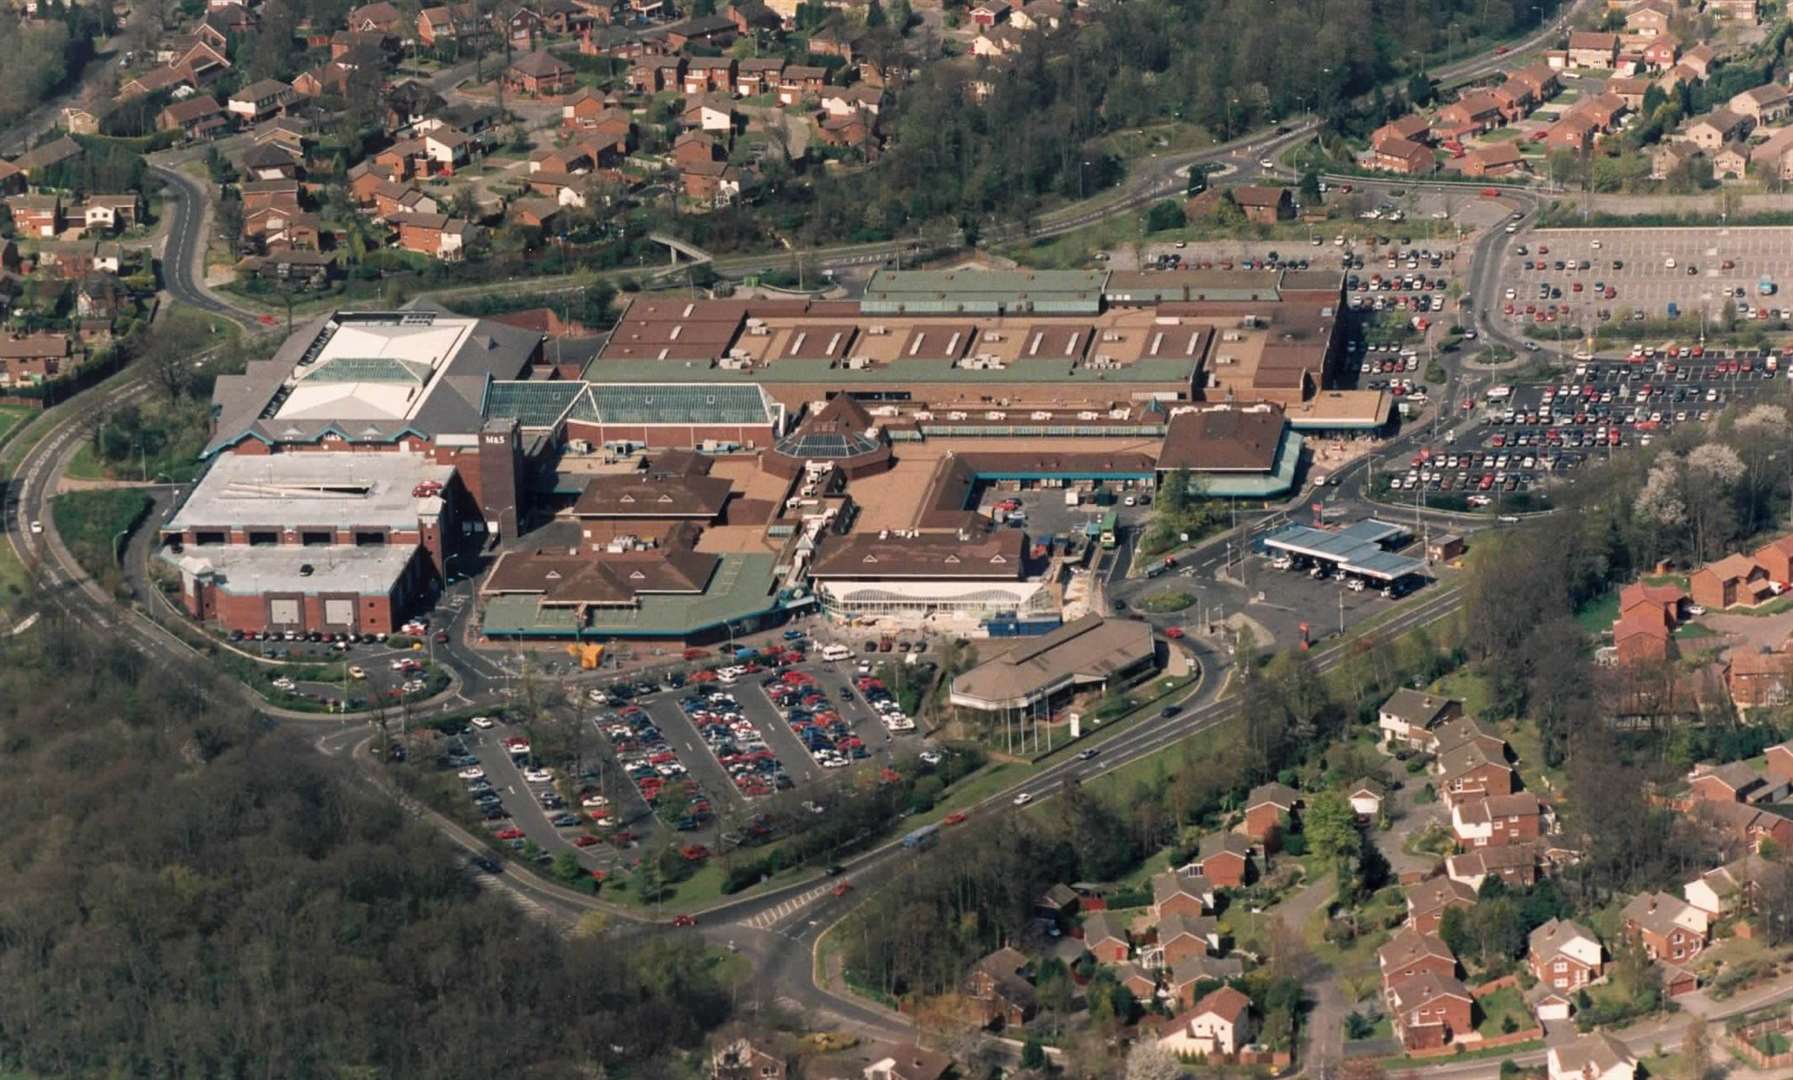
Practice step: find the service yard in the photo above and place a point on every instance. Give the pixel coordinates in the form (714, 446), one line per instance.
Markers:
(1585, 277)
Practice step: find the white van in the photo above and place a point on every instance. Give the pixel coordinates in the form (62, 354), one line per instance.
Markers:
(836, 652)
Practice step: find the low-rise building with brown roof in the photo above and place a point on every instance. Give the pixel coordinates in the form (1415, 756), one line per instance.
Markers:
(1428, 901)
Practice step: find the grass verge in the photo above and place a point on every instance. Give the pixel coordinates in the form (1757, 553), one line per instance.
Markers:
(92, 523)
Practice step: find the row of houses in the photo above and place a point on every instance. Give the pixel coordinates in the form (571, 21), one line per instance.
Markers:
(46, 215)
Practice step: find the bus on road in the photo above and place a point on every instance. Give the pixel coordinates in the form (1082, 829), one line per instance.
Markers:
(1111, 523)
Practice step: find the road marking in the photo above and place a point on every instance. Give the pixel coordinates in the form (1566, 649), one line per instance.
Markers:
(771, 917)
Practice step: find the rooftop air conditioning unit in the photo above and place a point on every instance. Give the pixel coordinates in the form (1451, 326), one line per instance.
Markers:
(991, 335)
(1232, 335)
(752, 323)
(582, 445)
(955, 416)
(1088, 415)
(1110, 335)
(994, 415)
(923, 414)
(877, 330)
(759, 331)
(1118, 414)
(1225, 359)
(1040, 416)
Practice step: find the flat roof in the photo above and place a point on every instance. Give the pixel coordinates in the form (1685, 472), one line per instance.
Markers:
(1331, 410)
(982, 291)
(337, 568)
(1355, 549)
(311, 490)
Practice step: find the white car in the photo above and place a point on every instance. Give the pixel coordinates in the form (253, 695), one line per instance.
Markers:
(482, 722)
(591, 802)
(472, 772)
(932, 757)
(37, 528)
(1023, 799)
(538, 776)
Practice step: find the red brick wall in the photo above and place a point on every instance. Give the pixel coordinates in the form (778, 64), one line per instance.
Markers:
(1261, 821)
(1437, 965)
(1712, 789)
(1224, 870)
(1180, 905)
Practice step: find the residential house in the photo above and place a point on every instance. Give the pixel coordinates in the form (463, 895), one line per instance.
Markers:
(1183, 936)
(1472, 114)
(1515, 864)
(758, 76)
(1217, 1026)
(1538, 79)
(753, 17)
(409, 103)
(1429, 1010)
(1661, 53)
(1263, 205)
(1603, 110)
(1640, 637)
(1059, 901)
(444, 24)
(57, 151)
(1743, 825)
(1472, 771)
(1730, 888)
(1104, 940)
(709, 75)
(1044, 16)
(1180, 894)
(108, 211)
(12, 179)
(1413, 127)
(1411, 953)
(196, 61)
(1194, 975)
(798, 82)
(539, 74)
(1668, 927)
(445, 149)
(1497, 820)
(1699, 60)
(100, 296)
(1572, 132)
(270, 162)
(1764, 104)
(1268, 808)
(1709, 133)
(909, 1062)
(436, 235)
(1649, 19)
(83, 119)
(710, 112)
(989, 13)
(1225, 859)
(1597, 1056)
(1774, 158)
(1401, 156)
(1630, 91)
(1410, 715)
(1496, 159)
(715, 30)
(1592, 49)
(259, 100)
(1141, 983)
(1734, 781)
(848, 100)
(1366, 798)
(654, 74)
(198, 117)
(1661, 602)
(715, 182)
(583, 109)
(852, 131)
(534, 213)
(32, 358)
(1565, 955)
(35, 215)
(1734, 579)
(390, 200)
(1745, 11)
(1780, 761)
(1430, 899)
(380, 17)
(999, 987)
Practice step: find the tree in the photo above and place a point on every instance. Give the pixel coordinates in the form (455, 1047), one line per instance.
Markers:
(1331, 828)
(1310, 188)
(1696, 1050)
(1033, 1055)
(1420, 90)
(1164, 215)
(1149, 1061)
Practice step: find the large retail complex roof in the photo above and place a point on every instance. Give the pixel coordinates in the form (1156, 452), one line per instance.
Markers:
(1088, 650)
(545, 404)
(318, 489)
(371, 377)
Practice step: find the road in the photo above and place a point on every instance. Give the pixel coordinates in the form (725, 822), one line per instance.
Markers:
(185, 247)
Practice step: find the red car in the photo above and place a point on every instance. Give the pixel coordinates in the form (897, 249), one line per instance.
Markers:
(683, 920)
(1173, 632)
(510, 833)
(584, 840)
(843, 888)
(957, 817)
(694, 853)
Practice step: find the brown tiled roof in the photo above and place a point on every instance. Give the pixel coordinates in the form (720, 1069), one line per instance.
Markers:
(1223, 439)
(924, 555)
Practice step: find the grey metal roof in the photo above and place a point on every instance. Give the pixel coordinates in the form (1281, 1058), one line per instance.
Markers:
(1356, 549)
(675, 403)
(532, 404)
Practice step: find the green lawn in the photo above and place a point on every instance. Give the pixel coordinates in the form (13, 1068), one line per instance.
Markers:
(1772, 1043)
(11, 416)
(1165, 600)
(1502, 1005)
(1472, 688)
(1125, 778)
(1597, 617)
(93, 523)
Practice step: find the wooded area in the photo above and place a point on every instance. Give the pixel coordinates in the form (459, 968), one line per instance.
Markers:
(190, 893)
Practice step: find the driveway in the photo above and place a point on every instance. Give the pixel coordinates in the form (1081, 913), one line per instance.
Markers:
(1409, 817)
(1325, 1023)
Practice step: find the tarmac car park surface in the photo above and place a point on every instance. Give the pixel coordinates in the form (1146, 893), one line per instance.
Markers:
(1529, 435)
(1626, 272)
